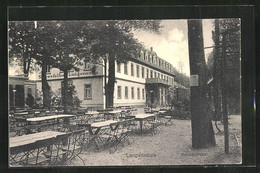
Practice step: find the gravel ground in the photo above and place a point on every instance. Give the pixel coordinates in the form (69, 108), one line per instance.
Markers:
(172, 146)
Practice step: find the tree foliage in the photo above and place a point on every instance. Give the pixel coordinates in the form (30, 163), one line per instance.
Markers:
(231, 28)
(115, 40)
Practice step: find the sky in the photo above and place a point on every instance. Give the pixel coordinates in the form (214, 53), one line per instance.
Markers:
(172, 43)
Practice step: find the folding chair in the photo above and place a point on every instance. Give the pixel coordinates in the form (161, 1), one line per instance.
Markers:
(17, 154)
(122, 135)
(152, 126)
(17, 131)
(36, 153)
(60, 150)
(76, 145)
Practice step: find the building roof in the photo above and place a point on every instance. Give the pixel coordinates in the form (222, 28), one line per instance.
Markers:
(150, 58)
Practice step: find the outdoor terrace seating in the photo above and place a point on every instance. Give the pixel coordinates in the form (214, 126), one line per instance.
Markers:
(101, 130)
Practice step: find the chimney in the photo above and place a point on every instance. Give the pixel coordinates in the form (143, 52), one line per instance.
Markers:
(151, 49)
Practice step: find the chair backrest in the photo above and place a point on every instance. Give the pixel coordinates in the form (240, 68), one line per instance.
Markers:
(62, 138)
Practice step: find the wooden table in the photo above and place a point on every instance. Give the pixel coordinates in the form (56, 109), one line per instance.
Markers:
(92, 113)
(32, 138)
(141, 117)
(21, 113)
(36, 120)
(98, 126)
(101, 124)
(162, 112)
(113, 113)
(20, 144)
(39, 119)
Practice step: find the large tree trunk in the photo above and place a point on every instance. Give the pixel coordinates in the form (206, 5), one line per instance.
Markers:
(111, 81)
(45, 87)
(65, 91)
(216, 74)
(202, 130)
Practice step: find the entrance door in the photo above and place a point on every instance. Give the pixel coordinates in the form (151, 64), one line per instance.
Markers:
(11, 96)
(19, 96)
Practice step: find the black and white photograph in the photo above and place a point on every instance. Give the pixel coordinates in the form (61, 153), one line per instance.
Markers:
(163, 92)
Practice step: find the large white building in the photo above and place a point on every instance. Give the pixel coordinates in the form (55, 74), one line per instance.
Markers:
(140, 81)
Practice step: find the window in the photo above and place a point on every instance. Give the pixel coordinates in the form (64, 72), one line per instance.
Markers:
(143, 93)
(29, 90)
(87, 66)
(87, 92)
(155, 74)
(161, 76)
(132, 69)
(125, 68)
(138, 93)
(132, 93)
(119, 92)
(152, 58)
(151, 74)
(137, 70)
(162, 95)
(147, 73)
(118, 67)
(142, 72)
(126, 92)
(48, 69)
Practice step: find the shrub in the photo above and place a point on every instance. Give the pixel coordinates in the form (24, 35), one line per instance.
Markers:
(181, 109)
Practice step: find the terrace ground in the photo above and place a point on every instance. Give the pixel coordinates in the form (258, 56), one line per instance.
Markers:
(172, 146)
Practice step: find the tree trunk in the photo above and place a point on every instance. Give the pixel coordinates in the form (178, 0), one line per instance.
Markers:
(105, 82)
(224, 94)
(216, 74)
(111, 81)
(202, 130)
(65, 91)
(45, 87)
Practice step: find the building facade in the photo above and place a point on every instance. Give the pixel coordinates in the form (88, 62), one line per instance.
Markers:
(140, 81)
(20, 88)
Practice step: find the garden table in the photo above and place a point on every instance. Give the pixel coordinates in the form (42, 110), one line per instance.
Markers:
(65, 117)
(114, 113)
(162, 112)
(86, 117)
(21, 113)
(18, 144)
(141, 118)
(98, 126)
(32, 138)
(52, 117)
(92, 113)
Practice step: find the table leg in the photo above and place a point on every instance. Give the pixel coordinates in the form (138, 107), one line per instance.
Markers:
(141, 126)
